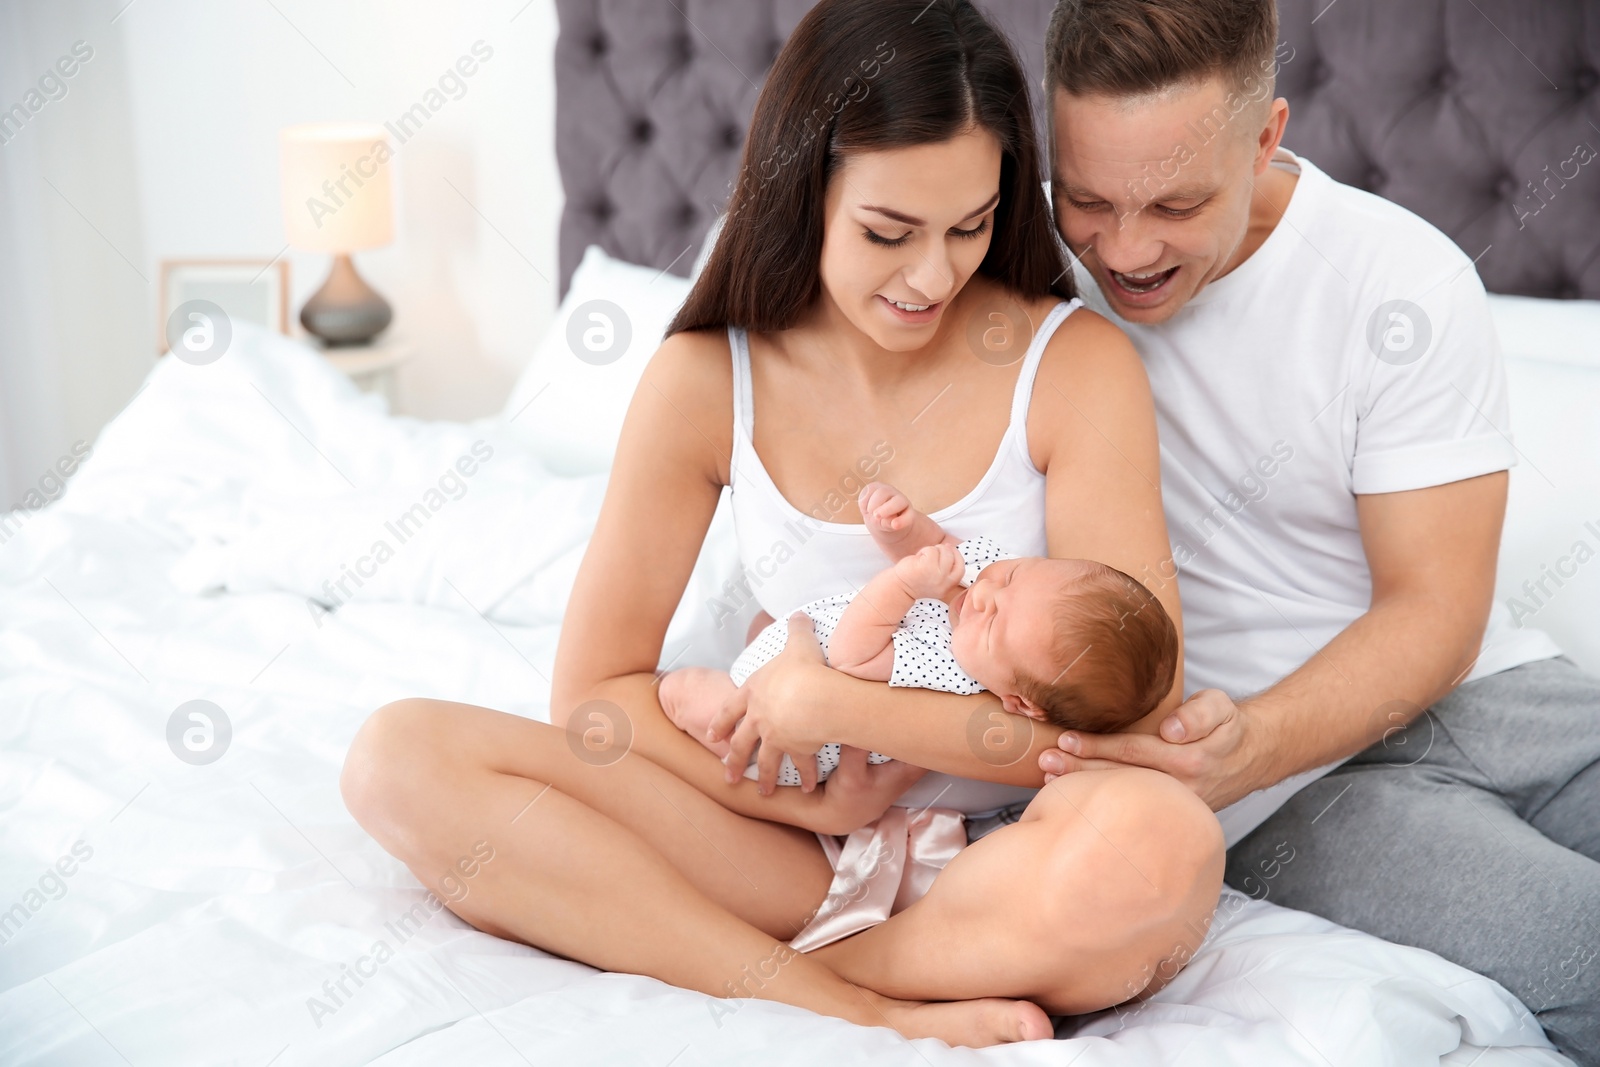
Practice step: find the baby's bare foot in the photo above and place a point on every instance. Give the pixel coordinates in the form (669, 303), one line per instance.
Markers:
(970, 1023)
(691, 696)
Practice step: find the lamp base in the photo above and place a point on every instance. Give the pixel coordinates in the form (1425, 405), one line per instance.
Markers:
(346, 310)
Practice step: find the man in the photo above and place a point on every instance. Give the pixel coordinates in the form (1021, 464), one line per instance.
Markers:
(1334, 462)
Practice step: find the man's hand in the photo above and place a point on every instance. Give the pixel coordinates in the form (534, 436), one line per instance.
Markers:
(858, 792)
(773, 709)
(1208, 743)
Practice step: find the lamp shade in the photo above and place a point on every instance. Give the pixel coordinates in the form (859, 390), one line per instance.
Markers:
(336, 186)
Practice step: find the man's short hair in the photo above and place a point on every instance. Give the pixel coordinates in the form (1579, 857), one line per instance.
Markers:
(1138, 47)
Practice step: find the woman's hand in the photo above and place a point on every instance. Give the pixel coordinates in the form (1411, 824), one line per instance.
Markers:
(1208, 743)
(777, 709)
(858, 792)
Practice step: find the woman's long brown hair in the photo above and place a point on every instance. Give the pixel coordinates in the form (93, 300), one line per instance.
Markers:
(859, 75)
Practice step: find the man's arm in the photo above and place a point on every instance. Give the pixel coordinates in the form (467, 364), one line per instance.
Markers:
(1432, 553)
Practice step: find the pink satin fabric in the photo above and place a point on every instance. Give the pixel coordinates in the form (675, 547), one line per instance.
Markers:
(881, 869)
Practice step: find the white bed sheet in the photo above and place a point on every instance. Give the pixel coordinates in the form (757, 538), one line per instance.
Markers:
(218, 899)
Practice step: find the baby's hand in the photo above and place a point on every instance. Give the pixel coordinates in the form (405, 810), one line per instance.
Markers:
(935, 571)
(885, 508)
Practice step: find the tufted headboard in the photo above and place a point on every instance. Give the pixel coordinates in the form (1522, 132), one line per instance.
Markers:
(1483, 116)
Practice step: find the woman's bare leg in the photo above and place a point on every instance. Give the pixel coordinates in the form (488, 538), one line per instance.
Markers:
(1101, 893)
(1121, 871)
(621, 865)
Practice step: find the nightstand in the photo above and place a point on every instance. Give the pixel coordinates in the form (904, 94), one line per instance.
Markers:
(373, 367)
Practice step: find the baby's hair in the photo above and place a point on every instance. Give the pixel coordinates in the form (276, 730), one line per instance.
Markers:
(1118, 652)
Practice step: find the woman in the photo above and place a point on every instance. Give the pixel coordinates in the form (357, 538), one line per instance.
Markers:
(887, 229)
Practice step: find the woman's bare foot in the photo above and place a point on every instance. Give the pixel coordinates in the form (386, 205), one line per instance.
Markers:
(691, 696)
(970, 1023)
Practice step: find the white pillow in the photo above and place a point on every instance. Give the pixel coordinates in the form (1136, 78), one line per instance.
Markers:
(569, 402)
(568, 407)
(1557, 331)
(1553, 380)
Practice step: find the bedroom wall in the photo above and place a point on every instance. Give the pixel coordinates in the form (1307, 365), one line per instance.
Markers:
(165, 145)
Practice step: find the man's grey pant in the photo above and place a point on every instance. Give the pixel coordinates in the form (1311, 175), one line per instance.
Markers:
(1474, 833)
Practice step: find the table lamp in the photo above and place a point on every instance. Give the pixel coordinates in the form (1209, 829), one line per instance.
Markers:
(336, 199)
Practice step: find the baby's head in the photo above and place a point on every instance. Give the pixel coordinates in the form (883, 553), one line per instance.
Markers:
(1069, 641)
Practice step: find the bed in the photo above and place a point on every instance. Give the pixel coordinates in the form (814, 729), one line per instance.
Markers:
(191, 890)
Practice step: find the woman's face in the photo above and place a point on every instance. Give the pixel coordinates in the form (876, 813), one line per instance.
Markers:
(903, 231)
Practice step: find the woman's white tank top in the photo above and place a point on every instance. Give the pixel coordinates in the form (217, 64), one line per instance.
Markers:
(792, 556)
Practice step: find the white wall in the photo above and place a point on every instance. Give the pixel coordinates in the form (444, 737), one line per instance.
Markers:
(165, 146)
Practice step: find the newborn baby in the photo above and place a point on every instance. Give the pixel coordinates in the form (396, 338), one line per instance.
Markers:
(1067, 641)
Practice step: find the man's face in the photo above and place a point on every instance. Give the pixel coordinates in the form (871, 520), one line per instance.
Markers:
(1154, 193)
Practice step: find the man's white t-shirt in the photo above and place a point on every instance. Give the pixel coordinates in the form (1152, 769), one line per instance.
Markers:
(1285, 388)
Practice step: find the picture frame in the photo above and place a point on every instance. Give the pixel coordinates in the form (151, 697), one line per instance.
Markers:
(249, 290)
